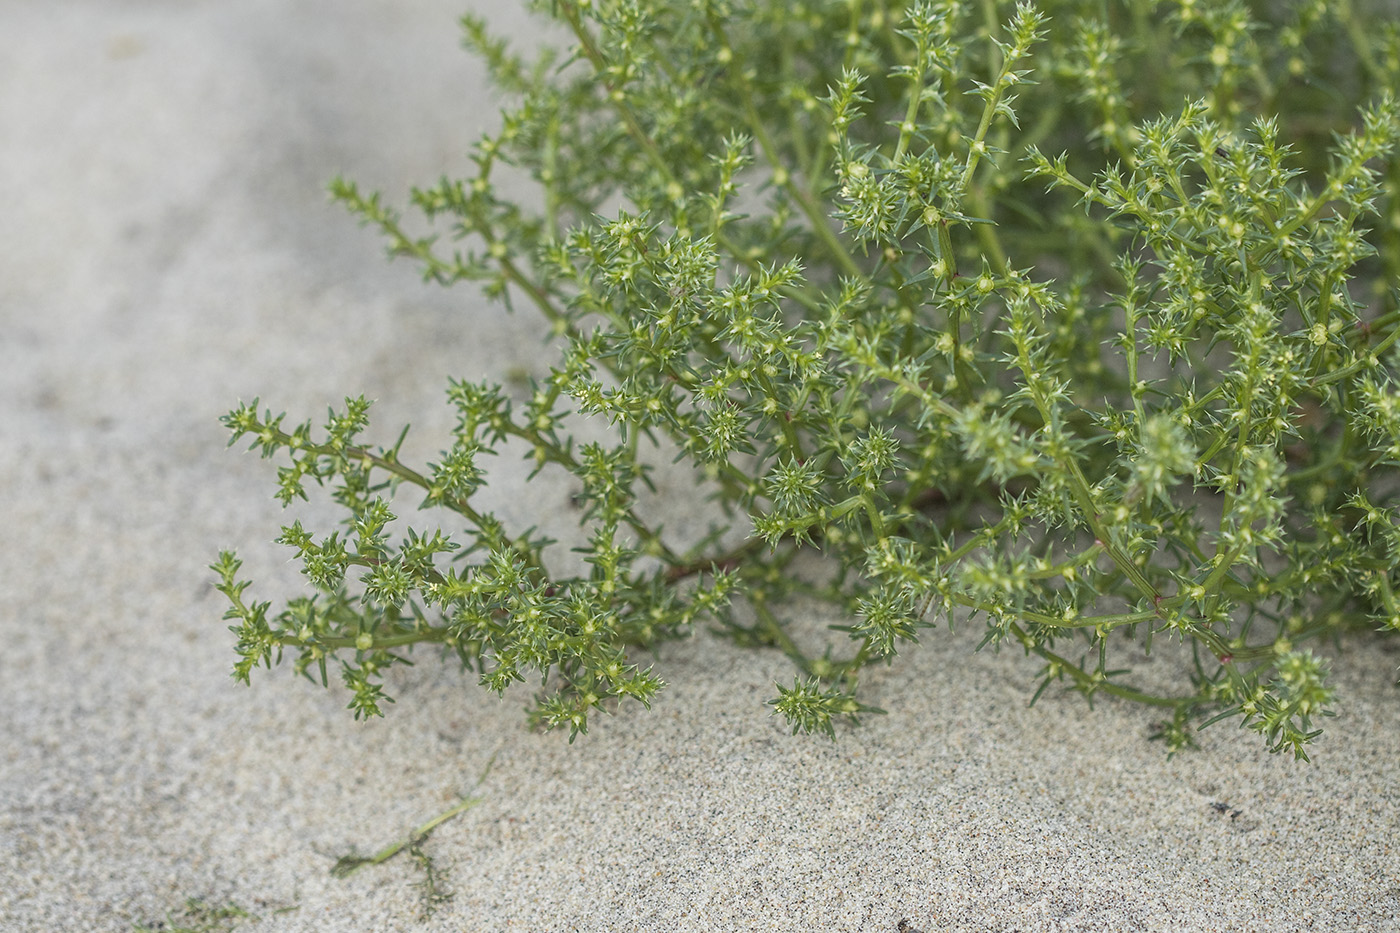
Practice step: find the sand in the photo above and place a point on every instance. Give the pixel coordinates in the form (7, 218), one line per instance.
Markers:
(166, 249)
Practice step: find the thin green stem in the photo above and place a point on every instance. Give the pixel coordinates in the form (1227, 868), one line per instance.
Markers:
(349, 864)
(820, 223)
(1089, 683)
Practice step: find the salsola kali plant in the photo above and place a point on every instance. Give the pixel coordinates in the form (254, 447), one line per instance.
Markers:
(1077, 319)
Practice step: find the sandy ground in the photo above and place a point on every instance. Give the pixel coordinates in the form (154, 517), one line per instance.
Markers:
(166, 249)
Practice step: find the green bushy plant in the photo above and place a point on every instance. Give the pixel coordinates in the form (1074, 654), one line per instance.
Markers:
(1077, 319)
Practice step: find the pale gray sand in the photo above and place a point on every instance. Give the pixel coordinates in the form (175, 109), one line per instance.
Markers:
(166, 249)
